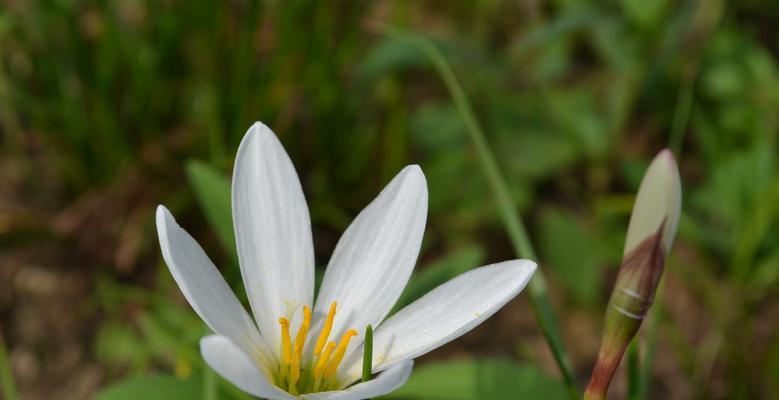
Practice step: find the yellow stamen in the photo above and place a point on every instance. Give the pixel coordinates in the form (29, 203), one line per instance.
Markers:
(286, 349)
(319, 368)
(332, 366)
(300, 341)
(320, 342)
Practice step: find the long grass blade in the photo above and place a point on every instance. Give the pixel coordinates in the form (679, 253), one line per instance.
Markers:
(508, 212)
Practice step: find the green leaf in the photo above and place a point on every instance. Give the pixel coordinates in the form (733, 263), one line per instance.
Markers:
(439, 272)
(576, 253)
(212, 190)
(479, 379)
(154, 387)
(643, 13)
(389, 56)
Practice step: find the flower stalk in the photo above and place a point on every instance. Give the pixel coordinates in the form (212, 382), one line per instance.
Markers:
(650, 236)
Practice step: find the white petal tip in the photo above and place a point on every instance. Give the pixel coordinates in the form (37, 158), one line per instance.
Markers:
(257, 133)
(522, 269)
(413, 168)
(658, 201)
(163, 219)
(667, 155)
(162, 212)
(526, 266)
(259, 128)
(412, 176)
(413, 173)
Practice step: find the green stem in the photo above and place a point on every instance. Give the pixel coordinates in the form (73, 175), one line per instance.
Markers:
(209, 385)
(6, 375)
(655, 314)
(512, 222)
(649, 355)
(634, 370)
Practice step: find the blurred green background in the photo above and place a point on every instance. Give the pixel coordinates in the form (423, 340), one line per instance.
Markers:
(109, 108)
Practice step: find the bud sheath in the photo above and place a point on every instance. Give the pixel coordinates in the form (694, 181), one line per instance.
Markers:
(650, 236)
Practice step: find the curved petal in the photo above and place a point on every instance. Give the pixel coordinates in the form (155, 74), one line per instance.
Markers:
(231, 363)
(443, 314)
(204, 287)
(374, 258)
(272, 231)
(387, 381)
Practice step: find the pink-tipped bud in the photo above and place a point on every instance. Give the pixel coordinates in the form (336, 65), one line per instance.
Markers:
(650, 235)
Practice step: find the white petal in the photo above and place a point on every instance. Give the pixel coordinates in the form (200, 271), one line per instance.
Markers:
(659, 199)
(387, 381)
(204, 287)
(231, 363)
(443, 314)
(374, 258)
(272, 231)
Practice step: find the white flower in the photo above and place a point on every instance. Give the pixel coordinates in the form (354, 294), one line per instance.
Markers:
(292, 351)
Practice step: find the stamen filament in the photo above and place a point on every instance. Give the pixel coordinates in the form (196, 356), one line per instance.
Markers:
(320, 342)
(319, 368)
(300, 341)
(332, 366)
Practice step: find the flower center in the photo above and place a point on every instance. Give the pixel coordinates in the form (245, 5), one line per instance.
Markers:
(319, 376)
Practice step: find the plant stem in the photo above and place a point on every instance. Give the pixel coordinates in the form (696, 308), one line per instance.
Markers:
(634, 370)
(209, 385)
(655, 314)
(6, 375)
(512, 222)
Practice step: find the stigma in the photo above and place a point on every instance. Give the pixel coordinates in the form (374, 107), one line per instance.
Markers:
(320, 374)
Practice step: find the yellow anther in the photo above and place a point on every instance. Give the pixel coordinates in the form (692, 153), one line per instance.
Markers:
(300, 341)
(332, 366)
(320, 342)
(286, 347)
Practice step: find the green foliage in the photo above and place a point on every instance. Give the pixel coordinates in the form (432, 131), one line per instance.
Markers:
(212, 190)
(478, 379)
(573, 98)
(156, 387)
(576, 253)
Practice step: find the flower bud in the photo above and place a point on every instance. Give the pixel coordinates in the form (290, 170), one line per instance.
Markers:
(650, 235)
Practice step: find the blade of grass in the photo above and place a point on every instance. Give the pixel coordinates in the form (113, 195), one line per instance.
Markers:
(6, 375)
(209, 385)
(516, 230)
(681, 116)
